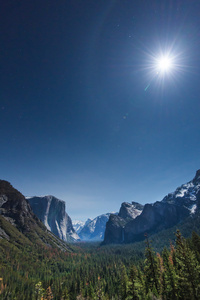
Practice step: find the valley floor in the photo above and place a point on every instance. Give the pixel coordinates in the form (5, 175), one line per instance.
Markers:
(91, 271)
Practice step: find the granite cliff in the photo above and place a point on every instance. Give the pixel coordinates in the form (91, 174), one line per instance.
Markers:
(51, 211)
(19, 225)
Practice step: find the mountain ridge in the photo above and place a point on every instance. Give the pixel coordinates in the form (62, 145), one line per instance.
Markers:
(158, 216)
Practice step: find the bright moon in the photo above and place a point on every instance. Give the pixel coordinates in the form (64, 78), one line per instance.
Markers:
(164, 64)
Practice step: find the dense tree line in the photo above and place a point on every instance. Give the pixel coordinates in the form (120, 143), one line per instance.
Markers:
(94, 272)
(174, 274)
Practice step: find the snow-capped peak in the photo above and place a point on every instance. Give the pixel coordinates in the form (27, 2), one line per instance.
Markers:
(185, 193)
(93, 230)
(78, 225)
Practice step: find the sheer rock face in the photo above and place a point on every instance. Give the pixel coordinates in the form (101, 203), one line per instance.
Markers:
(115, 227)
(114, 232)
(51, 211)
(173, 209)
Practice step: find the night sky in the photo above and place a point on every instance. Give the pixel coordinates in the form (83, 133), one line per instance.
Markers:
(84, 114)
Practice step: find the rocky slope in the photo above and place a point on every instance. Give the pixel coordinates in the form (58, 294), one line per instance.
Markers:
(51, 211)
(172, 210)
(19, 223)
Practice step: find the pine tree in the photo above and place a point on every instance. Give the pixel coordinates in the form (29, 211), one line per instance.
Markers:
(188, 269)
(123, 283)
(133, 284)
(152, 270)
(39, 291)
(65, 294)
(170, 279)
(195, 244)
(2, 286)
(99, 295)
(141, 285)
(90, 291)
(48, 294)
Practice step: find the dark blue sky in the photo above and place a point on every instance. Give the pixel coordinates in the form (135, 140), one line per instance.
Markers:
(76, 121)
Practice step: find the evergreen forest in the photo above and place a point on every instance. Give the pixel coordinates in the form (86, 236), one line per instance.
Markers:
(91, 271)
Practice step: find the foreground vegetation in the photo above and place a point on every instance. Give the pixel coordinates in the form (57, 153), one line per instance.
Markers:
(94, 272)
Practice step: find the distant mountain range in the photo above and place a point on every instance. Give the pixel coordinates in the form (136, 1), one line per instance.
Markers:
(78, 225)
(174, 209)
(93, 230)
(44, 219)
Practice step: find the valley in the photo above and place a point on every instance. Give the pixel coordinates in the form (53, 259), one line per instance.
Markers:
(38, 262)
(88, 271)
